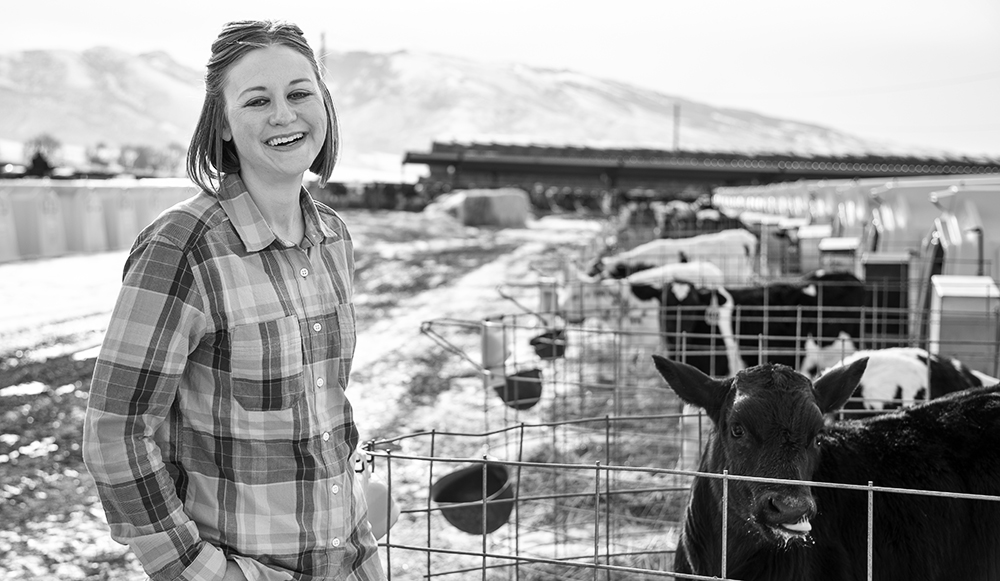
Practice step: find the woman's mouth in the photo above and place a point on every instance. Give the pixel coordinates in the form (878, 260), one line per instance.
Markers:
(285, 140)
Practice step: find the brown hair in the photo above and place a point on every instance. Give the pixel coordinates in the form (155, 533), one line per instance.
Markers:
(209, 156)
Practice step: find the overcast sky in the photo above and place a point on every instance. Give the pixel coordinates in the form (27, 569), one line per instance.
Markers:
(914, 72)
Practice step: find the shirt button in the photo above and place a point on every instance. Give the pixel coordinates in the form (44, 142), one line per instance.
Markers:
(317, 327)
(304, 272)
(320, 382)
(326, 436)
(335, 489)
(335, 543)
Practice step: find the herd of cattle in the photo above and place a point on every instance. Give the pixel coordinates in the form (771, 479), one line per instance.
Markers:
(771, 364)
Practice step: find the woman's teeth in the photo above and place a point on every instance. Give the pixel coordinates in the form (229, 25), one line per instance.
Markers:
(275, 141)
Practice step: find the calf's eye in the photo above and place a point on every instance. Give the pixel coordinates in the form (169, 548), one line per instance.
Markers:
(736, 430)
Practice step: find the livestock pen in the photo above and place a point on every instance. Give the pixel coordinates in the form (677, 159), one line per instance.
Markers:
(579, 461)
(584, 457)
(576, 457)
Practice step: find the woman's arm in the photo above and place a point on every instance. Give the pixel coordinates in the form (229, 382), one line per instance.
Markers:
(157, 321)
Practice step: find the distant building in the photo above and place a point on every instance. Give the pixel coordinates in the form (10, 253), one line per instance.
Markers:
(661, 173)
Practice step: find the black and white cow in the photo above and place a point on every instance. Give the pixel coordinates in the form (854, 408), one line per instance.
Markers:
(609, 299)
(733, 251)
(903, 376)
(783, 520)
(722, 330)
(613, 305)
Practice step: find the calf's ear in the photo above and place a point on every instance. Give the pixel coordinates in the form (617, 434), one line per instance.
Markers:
(835, 387)
(693, 386)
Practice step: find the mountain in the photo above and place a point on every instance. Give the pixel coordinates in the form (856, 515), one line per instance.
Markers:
(98, 95)
(392, 103)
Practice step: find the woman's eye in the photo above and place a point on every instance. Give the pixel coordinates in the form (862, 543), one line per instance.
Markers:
(259, 101)
(299, 95)
(737, 431)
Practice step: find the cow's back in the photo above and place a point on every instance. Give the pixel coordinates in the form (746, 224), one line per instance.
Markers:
(949, 445)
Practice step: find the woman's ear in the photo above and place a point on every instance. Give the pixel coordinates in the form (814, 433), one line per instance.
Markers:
(227, 135)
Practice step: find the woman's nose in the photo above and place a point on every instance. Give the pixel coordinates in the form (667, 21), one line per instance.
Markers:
(282, 113)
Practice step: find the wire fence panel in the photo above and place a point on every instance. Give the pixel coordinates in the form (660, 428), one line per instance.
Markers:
(584, 459)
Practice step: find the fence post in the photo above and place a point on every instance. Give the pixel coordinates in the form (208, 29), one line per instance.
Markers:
(597, 519)
(871, 503)
(725, 522)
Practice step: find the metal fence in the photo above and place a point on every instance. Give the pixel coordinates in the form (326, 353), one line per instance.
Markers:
(584, 460)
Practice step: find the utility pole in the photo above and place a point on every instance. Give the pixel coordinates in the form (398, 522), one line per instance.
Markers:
(677, 127)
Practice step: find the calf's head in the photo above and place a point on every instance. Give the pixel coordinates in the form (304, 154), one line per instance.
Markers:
(767, 423)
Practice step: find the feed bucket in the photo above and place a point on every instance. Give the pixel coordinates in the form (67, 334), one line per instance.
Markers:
(548, 298)
(550, 344)
(522, 390)
(494, 347)
(460, 496)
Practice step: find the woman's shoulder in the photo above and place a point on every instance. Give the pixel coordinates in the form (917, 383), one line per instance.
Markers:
(332, 219)
(184, 223)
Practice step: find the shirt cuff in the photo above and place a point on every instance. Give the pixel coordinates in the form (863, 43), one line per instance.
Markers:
(209, 564)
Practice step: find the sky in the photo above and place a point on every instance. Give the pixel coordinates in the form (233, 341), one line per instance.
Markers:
(911, 72)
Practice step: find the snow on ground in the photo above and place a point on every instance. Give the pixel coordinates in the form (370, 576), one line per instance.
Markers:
(63, 299)
(58, 306)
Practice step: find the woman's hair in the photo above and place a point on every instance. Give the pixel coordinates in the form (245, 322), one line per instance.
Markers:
(209, 156)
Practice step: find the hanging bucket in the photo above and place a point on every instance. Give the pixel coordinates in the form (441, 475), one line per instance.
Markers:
(550, 344)
(466, 486)
(548, 299)
(521, 390)
(494, 345)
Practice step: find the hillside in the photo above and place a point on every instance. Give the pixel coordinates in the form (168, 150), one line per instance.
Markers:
(391, 103)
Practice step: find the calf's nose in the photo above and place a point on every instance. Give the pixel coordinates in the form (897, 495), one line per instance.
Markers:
(781, 508)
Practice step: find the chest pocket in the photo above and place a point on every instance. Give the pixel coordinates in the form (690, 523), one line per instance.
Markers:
(267, 364)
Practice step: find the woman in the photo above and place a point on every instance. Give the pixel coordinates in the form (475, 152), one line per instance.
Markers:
(218, 430)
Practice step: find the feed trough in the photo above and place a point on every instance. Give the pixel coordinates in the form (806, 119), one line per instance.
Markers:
(550, 344)
(460, 496)
(522, 390)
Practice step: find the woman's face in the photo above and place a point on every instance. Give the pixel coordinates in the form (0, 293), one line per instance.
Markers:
(274, 114)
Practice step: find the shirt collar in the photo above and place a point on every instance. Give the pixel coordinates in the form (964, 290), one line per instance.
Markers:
(250, 225)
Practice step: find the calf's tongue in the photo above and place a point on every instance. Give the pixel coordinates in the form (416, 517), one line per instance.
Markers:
(802, 526)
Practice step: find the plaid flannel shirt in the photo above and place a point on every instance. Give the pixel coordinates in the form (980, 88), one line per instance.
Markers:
(218, 425)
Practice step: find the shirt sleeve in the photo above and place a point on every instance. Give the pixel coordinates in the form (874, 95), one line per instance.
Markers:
(157, 320)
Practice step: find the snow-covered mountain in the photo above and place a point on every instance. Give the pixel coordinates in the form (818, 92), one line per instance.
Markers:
(392, 103)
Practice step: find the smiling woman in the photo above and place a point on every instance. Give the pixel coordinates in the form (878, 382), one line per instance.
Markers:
(277, 122)
(218, 428)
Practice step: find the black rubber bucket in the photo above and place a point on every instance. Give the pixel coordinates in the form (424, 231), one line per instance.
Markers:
(521, 390)
(466, 486)
(550, 344)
